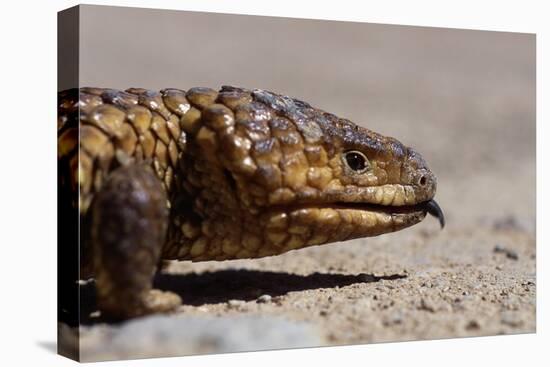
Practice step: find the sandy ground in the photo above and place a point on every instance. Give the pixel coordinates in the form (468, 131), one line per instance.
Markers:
(405, 287)
(464, 99)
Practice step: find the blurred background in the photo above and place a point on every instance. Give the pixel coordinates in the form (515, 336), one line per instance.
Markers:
(464, 99)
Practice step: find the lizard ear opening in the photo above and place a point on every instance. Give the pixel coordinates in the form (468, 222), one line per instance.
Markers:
(356, 161)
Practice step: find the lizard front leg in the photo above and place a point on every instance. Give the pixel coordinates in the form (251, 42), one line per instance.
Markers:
(129, 221)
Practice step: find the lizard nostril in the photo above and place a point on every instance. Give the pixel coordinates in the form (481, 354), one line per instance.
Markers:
(423, 180)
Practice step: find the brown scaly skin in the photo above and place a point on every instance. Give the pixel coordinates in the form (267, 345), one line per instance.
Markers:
(205, 175)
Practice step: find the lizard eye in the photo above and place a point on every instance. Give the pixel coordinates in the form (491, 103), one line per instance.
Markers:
(356, 161)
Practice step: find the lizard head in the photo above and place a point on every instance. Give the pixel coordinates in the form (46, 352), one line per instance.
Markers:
(278, 174)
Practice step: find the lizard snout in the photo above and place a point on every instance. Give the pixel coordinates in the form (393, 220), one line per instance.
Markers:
(420, 176)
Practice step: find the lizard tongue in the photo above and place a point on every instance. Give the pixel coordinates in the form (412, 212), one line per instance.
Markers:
(434, 209)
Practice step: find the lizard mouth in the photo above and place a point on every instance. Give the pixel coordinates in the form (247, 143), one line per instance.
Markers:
(404, 215)
(431, 207)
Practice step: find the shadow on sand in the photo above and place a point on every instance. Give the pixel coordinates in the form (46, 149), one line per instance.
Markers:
(239, 284)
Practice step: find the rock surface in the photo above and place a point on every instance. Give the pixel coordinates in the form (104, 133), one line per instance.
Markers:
(166, 336)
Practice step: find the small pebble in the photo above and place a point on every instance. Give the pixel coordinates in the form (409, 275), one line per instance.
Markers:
(396, 318)
(473, 325)
(511, 319)
(427, 305)
(367, 278)
(510, 254)
(235, 303)
(95, 314)
(265, 298)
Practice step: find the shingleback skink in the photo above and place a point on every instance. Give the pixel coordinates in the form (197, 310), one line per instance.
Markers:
(214, 175)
